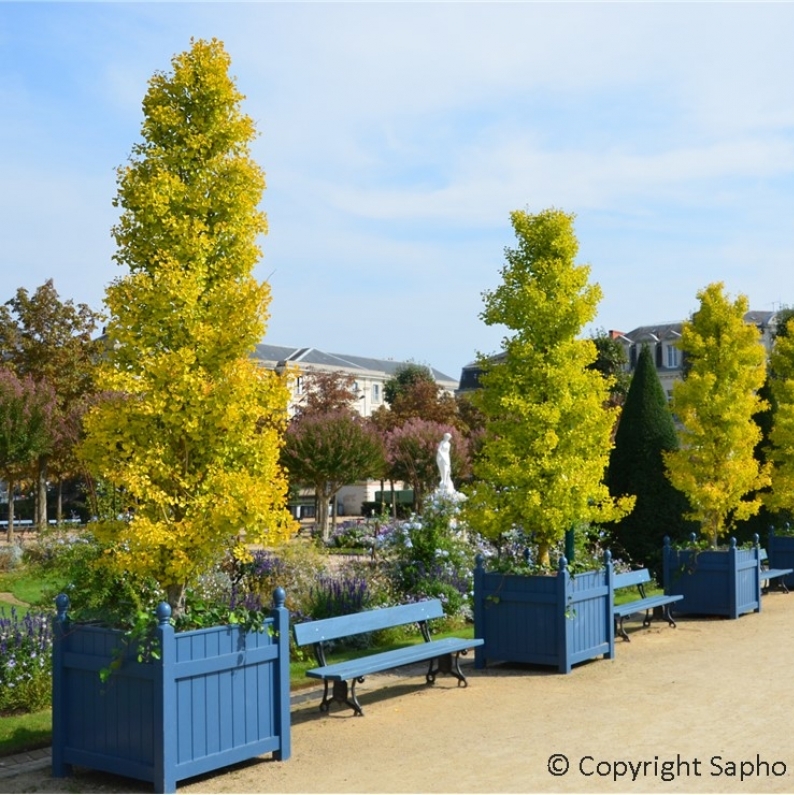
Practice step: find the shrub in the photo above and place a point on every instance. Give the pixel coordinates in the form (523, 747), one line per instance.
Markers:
(338, 596)
(11, 557)
(295, 566)
(71, 561)
(25, 661)
(517, 552)
(431, 555)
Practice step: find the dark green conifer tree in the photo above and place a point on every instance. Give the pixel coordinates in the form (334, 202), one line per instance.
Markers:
(636, 467)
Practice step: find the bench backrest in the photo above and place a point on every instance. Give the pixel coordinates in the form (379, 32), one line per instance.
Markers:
(638, 577)
(762, 556)
(368, 621)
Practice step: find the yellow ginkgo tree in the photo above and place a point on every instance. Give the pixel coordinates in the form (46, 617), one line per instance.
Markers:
(549, 420)
(191, 429)
(715, 465)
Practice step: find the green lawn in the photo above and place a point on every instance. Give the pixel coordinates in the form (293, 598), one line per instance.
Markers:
(26, 587)
(25, 732)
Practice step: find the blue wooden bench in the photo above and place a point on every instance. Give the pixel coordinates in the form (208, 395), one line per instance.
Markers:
(768, 575)
(649, 604)
(443, 655)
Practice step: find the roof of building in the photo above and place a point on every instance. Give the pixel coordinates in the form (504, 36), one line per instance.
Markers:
(307, 357)
(670, 330)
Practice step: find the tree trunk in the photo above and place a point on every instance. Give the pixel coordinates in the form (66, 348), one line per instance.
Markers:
(543, 553)
(59, 504)
(322, 512)
(10, 534)
(419, 497)
(41, 496)
(176, 598)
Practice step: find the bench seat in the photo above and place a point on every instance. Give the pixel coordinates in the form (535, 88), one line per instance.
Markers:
(649, 603)
(385, 660)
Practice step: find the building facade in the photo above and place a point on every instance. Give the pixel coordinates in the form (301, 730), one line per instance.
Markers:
(663, 339)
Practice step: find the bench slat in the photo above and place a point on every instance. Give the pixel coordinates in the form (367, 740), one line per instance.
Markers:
(646, 604)
(368, 621)
(771, 574)
(352, 669)
(628, 578)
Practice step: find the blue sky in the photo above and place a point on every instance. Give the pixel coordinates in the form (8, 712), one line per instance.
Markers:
(397, 138)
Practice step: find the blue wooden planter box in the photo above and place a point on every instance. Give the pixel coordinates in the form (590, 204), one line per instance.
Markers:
(556, 620)
(215, 697)
(713, 582)
(780, 550)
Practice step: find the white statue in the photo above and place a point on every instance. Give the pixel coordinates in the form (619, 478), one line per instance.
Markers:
(444, 464)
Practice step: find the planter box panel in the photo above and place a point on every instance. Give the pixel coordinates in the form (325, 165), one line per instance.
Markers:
(111, 715)
(230, 706)
(214, 698)
(588, 633)
(714, 582)
(546, 620)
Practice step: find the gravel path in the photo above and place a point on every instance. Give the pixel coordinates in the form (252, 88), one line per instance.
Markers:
(677, 710)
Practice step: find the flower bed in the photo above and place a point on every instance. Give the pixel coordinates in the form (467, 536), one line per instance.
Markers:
(25, 661)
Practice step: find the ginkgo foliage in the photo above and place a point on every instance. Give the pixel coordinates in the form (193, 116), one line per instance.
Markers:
(548, 422)
(192, 430)
(715, 465)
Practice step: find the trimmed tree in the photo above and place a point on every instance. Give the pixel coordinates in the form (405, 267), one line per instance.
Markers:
(326, 451)
(636, 466)
(715, 465)
(193, 434)
(548, 422)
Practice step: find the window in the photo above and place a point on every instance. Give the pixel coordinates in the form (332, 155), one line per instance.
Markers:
(672, 356)
(299, 385)
(376, 393)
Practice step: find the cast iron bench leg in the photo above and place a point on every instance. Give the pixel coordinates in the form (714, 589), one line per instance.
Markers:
(779, 581)
(663, 612)
(621, 630)
(446, 664)
(343, 695)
